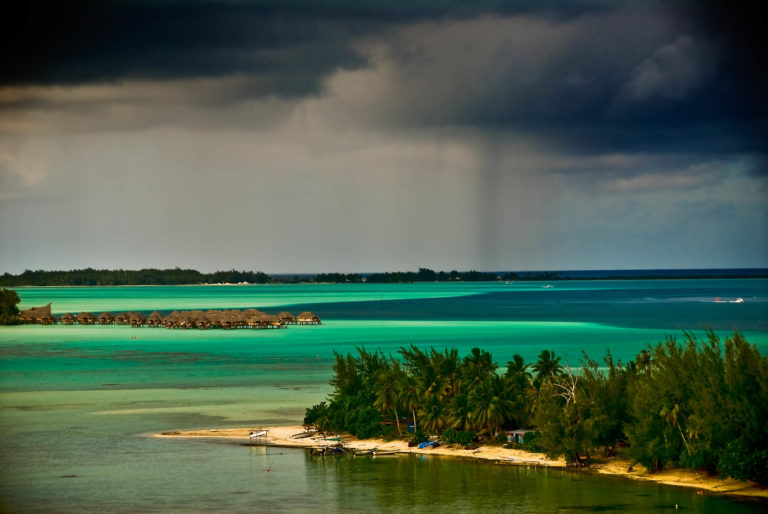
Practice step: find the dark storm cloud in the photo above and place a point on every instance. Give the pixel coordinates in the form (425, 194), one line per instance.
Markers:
(293, 41)
(591, 77)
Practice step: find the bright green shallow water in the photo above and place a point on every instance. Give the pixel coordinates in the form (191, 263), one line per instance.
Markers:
(77, 402)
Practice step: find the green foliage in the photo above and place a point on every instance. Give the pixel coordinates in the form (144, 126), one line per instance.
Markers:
(532, 441)
(460, 437)
(317, 417)
(693, 404)
(148, 276)
(696, 406)
(9, 311)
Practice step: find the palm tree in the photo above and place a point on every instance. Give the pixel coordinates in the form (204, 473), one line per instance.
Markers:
(388, 385)
(410, 397)
(491, 404)
(477, 366)
(546, 367)
(434, 417)
(518, 367)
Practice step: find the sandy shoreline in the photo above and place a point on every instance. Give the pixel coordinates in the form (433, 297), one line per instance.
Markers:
(282, 436)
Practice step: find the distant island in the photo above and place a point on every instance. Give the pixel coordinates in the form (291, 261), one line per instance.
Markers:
(178, 276)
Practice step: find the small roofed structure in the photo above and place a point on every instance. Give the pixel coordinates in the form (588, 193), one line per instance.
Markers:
(172, 320)
(37, 315)
(106, 318)
(86, 318)
(155, 319)
(199, 319)
(136, 319)
(271, 321)
(254, 319)
(122, 318)
(214, 318)
(286, 318)
(68, 319)
(307, 318)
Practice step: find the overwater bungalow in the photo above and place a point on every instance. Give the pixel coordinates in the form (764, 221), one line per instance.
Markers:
(214, 318)
(155, 319)
(286, 318)
(254, 319)
(68, 319)
(37, 315)
(172, 320)
(232, 319)
(271, 321)
(106, 318)
(199, 319)
(121, 319)
(86, 318)
(307, 318)
(136, 319)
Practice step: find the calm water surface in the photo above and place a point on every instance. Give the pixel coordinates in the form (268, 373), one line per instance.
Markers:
(79, 403)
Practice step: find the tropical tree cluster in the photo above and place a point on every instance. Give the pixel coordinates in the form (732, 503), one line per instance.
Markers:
(693, 404)
(119, 277)
(9, 312)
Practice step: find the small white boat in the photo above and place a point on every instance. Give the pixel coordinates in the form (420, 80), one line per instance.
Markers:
(548, 286)
(262, 433)
(737, 300)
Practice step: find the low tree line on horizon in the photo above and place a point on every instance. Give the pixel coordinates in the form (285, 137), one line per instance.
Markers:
(693, 404)
(178, 276)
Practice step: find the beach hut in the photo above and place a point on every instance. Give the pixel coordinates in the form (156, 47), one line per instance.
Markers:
(86, 318)
(68, 319)
(136, 319)
(155, 319)
(286, 318)
(121, 319)
(307, 318)
(106, 318)
(37, 315)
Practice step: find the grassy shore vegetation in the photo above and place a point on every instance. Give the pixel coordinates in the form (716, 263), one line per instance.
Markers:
(689, 403)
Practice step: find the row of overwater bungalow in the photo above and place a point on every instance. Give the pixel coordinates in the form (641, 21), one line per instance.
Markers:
(227, 319)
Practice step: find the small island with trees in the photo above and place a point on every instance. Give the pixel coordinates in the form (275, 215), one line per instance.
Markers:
(691, 404)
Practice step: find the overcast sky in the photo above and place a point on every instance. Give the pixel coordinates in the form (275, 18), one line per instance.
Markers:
(304, 136)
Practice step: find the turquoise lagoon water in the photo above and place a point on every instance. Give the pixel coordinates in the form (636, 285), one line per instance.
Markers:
(79, 404)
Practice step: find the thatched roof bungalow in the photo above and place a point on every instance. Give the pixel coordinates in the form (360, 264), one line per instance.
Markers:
(40, 314)
(286, 318)
(122, 318)
(86, 318)
(199, 319)
(68, 319)
(307, 318)
(214, 317)
(253, 319)
(271, 321)
(136, 319)
(106, 318)
(172, 320)
(155, 319)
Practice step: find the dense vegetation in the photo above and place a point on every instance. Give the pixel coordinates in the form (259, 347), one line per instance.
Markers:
(428, 275)
(9, 311)
(693, 404)
(149, 276)
(177, 276)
